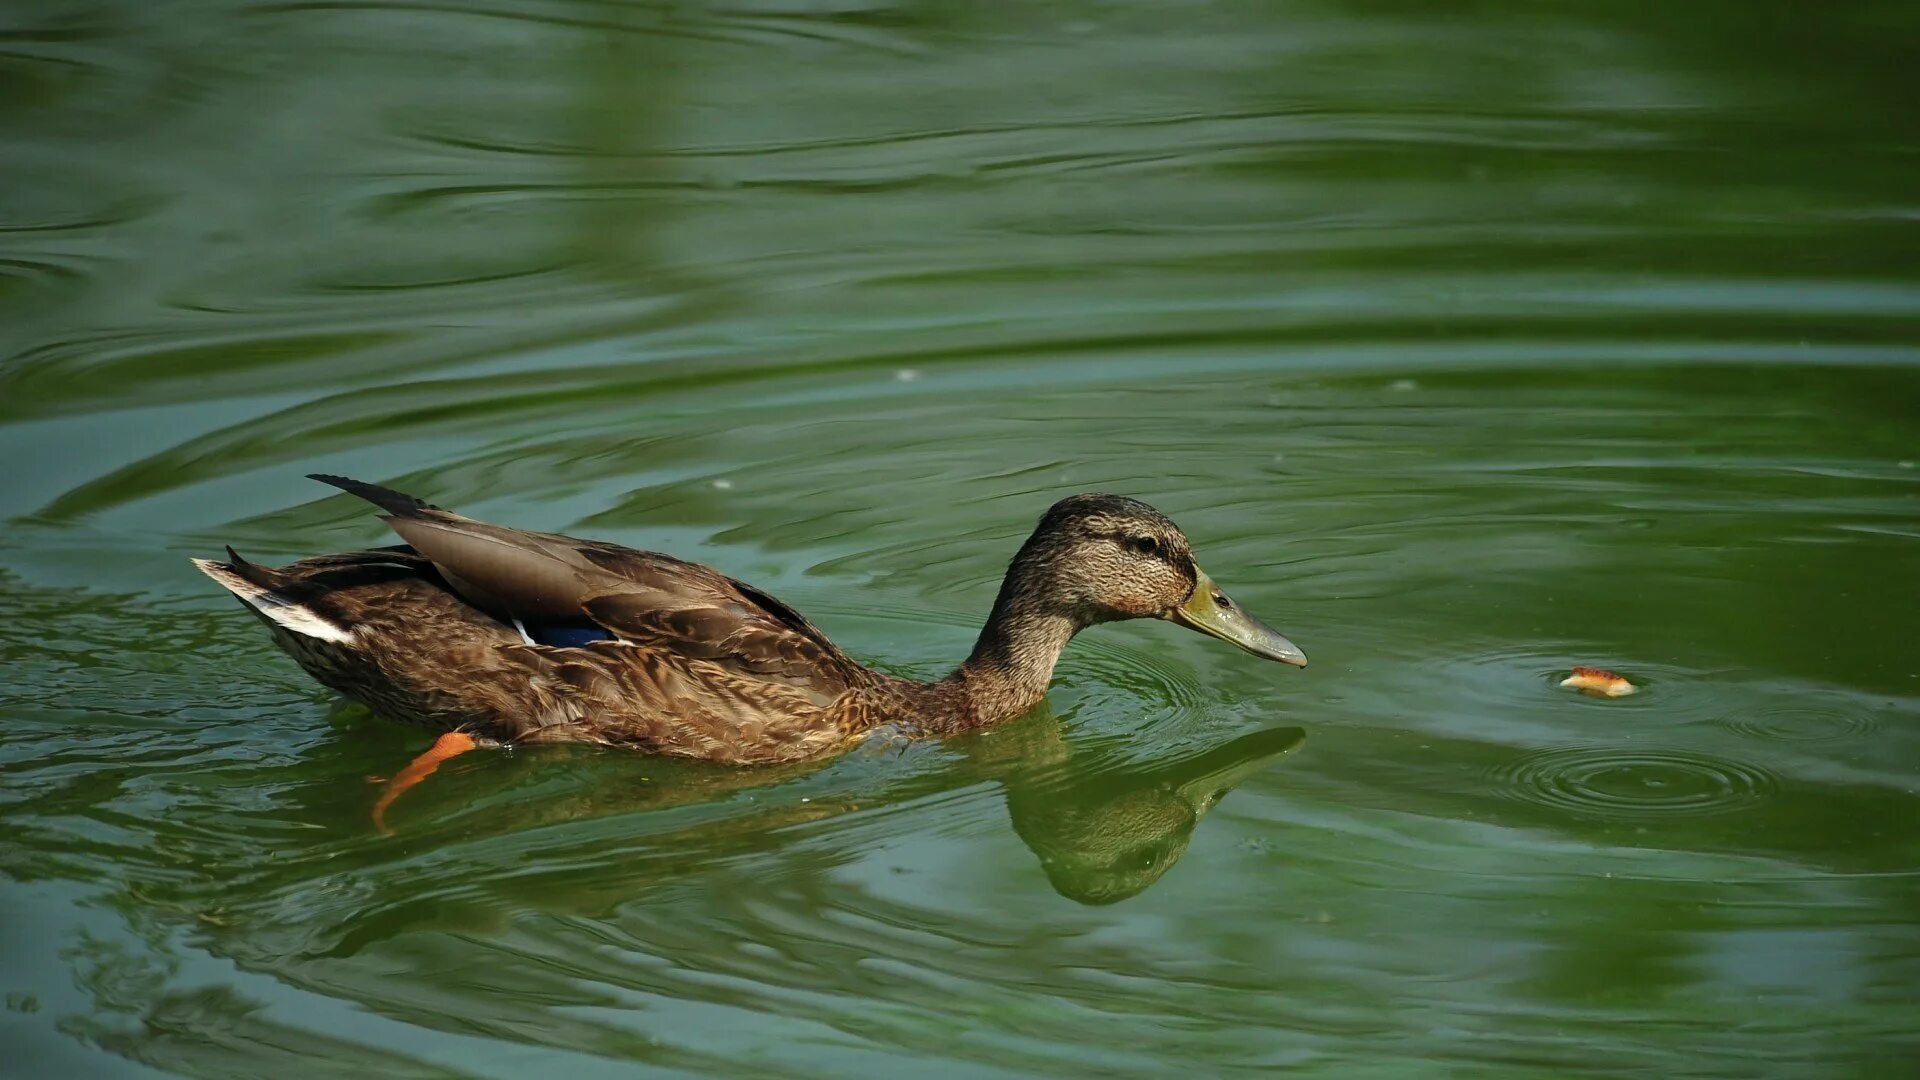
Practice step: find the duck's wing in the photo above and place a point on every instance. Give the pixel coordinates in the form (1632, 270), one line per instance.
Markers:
(640, 597)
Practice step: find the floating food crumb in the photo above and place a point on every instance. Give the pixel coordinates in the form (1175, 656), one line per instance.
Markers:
(1593, 680)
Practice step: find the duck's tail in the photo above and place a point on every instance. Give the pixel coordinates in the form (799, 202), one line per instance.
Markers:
(271, 594)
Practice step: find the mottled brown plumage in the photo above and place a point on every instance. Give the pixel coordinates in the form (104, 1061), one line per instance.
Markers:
(691, 662)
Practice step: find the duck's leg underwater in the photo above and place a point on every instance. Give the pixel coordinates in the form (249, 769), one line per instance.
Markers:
(450, 745)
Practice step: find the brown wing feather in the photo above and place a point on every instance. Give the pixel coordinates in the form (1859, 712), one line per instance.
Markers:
(642, 597)
(743, 643)
(506, 571)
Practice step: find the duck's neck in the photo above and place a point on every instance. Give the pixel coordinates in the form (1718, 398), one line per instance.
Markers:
(1011, 664)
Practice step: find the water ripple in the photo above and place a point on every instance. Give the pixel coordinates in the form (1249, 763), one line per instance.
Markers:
(1800, 723)
(1138, 674)
(1620, 784)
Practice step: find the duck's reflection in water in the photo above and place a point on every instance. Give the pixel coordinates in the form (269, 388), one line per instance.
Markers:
(1107, 834)
(478, 845)
(1103, 825)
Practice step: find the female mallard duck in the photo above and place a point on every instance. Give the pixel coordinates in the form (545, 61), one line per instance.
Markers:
(522, 637)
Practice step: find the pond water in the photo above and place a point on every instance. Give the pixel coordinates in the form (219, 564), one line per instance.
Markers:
(1467, 348)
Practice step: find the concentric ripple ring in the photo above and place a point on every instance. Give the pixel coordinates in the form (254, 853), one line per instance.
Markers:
(1636, 784)
(1801, 724)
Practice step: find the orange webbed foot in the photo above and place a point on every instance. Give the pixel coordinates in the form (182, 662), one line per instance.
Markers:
(450, 745)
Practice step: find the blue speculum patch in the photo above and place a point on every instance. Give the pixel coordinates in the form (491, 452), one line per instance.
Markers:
(562, 636)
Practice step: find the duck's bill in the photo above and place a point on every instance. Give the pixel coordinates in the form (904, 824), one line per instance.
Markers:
(1209, 611)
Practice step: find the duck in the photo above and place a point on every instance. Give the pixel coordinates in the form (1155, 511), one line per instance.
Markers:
(497, 636)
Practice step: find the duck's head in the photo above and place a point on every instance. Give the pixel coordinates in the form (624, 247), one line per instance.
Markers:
(1098, 558)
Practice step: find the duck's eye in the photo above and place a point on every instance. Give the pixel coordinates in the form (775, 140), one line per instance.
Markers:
(1143, 545)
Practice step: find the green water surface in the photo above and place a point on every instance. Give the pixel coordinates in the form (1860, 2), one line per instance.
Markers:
(1469, 343)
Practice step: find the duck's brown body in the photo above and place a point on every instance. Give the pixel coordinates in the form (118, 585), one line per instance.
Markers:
(690, 661)
(483, 679)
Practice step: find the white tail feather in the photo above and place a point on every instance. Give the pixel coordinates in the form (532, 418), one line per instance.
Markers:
(289, 614)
